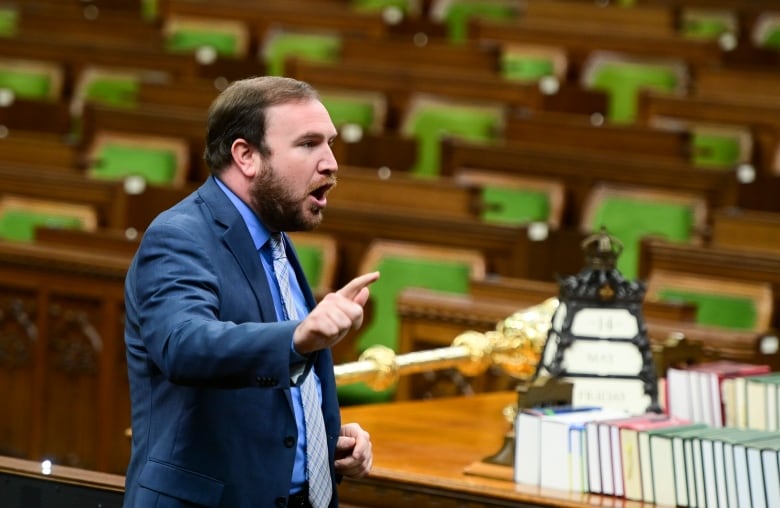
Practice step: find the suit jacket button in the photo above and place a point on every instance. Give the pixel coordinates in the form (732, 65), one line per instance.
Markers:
(289, 441)
(281, 502)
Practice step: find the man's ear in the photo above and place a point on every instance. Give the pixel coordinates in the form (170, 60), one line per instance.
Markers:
(245, 157)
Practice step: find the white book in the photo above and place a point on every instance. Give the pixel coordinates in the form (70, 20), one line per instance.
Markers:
(755, 472)
(562, 461)
(528, 451)
(770, 459)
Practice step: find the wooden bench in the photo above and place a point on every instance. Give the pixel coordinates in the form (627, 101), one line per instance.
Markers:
(66, 380)
(508, 250)
(581, 169)
(549, 128)
(761, 120)
(399, 83)
(746, 229)
(40, 182)
(336, 17)
(40, 148)
(187, 124)
(580, 40)
(713, 261)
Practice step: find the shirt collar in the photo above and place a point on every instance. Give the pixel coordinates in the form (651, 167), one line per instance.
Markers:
(257, 230)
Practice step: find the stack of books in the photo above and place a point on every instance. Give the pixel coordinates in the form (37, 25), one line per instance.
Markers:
(654, 458)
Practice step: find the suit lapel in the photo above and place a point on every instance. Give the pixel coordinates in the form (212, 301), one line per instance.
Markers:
(238, 241)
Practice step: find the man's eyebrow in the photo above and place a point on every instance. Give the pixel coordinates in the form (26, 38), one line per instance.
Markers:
(316, 135)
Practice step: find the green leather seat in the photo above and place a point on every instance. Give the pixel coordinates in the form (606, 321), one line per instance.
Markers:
(705, 26)
(355, 110)
(112, 90)
(766, 32)
(398, 272)
(459, 13)
(380, 5)
(429, 123)
(309, 46)
(9, 21)
(36, 81)
(226, 39)
(19, 225)
(519, 67)
(514, 206)
(114, 160)
(622, 81)
(630, 219)
(721, 311)
(712, 150)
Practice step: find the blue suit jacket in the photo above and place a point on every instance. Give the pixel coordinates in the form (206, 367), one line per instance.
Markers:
(209, 365)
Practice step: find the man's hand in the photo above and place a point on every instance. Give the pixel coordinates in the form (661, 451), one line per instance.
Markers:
(354, 456)
(334, 316)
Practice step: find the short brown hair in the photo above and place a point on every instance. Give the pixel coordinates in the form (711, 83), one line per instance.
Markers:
(240, 112)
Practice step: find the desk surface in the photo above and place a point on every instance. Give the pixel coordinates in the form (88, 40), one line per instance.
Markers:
(422, 447)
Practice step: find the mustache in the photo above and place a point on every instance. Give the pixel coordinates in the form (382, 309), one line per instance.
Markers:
(330, 182)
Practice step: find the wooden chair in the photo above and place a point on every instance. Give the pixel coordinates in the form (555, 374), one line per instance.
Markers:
(720, 302)
(623, 76)
(746, 229)
(457, 14)
(355, 111)
(280, 44)
(157, 160)
(318, 254)
(630, 213)
(429, 119)
(207, 38)
(403, 265)
(766, 31)
(516, 200)
(32, 79)
(20, 216)
(533, 62)
(113, 87)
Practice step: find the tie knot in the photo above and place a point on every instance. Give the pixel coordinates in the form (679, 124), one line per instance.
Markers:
(277, 246)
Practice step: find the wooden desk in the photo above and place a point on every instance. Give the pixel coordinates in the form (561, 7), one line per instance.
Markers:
(422, 447)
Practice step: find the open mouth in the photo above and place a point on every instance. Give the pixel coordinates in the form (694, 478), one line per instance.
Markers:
(320, 193)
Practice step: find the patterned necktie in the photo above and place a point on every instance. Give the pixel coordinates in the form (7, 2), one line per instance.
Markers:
(320, 487)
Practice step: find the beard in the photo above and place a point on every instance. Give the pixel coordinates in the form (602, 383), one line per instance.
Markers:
(277, 205)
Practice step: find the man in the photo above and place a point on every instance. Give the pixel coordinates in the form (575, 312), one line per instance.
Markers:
(218, 356)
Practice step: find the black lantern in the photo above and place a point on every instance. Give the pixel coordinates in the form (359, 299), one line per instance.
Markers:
(598, 339)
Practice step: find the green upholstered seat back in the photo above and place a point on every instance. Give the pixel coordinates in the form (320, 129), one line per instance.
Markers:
(344, 110)
(150, 9)
(9, 21)
(27, 82)
(704, 26)
(723, 311)
(311, 261)
(379, 5)
(630, 219)
(112, 90)
(19, 224)
(186, 40)
(460, 12)
(715, 150)
(506, 205)
(519, 67)
(622, 81)
(431, 122)
(308, 46)
(115, 161)
(397, 274)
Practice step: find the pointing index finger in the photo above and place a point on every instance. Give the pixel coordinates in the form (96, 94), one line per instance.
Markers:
(353, 287)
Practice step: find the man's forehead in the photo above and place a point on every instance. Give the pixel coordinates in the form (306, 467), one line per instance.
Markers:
(299, 118)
